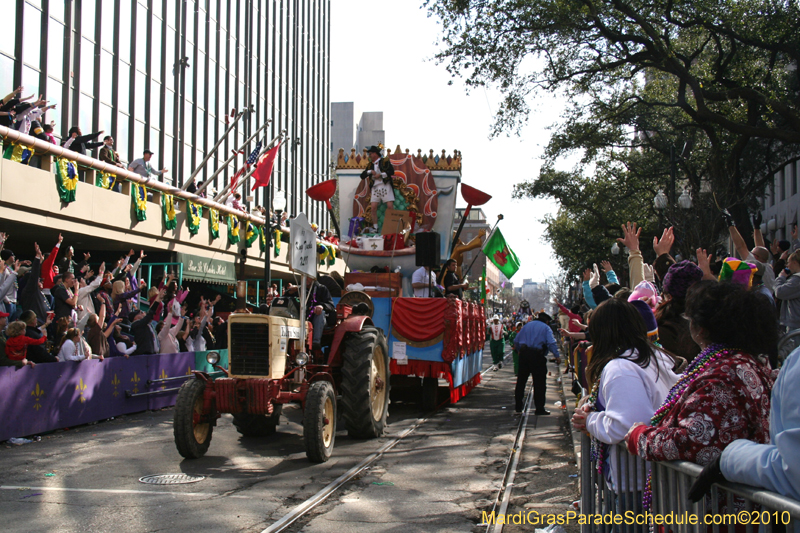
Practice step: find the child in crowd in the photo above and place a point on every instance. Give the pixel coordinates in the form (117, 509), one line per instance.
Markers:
(17, 342)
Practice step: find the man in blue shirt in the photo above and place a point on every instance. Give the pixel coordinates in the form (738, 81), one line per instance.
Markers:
(532, 343)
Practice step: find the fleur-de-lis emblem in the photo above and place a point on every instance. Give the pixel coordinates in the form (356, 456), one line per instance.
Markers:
(135, 380)
(163, 375)
(80, 387)
(116, 383)
(37, 394)
(188, 371)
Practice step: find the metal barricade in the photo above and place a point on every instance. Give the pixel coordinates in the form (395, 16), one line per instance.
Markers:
(670, 484)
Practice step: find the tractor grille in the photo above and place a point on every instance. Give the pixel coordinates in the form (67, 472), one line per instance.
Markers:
(249, 349)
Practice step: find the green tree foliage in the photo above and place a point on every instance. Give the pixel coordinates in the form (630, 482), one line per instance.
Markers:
(713, 81)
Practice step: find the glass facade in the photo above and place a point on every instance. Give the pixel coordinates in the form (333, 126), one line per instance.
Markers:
(164, 75)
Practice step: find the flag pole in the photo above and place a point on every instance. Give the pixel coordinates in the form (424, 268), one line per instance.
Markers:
(499, 218)
(224, 165)
(225, 192)
(214, 149)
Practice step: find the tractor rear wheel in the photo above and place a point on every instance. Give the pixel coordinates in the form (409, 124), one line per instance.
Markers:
(191, 426)
(319, 421)
(365, 383)
(258, 425)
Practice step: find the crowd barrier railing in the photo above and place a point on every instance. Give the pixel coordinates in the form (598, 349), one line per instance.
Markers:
(670, 482)
(59, 395)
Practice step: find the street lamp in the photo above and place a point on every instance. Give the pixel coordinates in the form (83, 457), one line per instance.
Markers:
(660, 201)
(685, 199)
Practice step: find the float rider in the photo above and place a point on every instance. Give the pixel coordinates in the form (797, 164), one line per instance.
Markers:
(497, 342)
(379, 172)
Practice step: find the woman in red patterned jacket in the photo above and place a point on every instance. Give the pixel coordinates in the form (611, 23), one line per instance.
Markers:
(724, 394)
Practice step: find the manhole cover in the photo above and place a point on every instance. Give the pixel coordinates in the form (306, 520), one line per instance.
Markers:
(170, 479)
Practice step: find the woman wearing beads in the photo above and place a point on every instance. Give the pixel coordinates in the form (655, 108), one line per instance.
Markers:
(724, 394)
(630, 376)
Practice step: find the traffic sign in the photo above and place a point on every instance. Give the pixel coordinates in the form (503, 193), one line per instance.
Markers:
(303, 256)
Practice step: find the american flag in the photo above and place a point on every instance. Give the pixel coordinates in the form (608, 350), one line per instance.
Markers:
(251, 159)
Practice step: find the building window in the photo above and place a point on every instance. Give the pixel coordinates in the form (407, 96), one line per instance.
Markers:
(782, 175)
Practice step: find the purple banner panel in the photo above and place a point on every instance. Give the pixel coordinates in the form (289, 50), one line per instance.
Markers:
(59, 395)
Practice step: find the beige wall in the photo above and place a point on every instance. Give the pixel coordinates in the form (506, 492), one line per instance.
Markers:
(29, 195)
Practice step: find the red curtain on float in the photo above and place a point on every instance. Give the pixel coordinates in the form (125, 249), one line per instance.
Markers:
(419, 319)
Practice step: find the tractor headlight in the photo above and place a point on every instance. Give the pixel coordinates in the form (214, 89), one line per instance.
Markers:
(212, 358)
(301, 359)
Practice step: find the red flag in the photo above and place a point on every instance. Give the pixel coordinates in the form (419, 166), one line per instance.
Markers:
(264, 167)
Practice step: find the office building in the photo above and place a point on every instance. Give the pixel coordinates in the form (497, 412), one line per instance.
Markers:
(167, 74)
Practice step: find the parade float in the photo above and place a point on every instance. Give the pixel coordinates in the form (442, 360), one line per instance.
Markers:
(428, 338)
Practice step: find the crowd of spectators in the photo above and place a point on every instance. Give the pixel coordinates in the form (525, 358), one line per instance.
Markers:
(680, 363)
(55, 309)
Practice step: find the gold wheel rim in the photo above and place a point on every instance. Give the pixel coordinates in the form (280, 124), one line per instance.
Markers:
(327, 422)
(377, 385)
(200, 430)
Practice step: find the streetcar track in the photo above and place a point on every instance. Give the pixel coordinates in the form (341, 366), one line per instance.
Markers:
(303, 508)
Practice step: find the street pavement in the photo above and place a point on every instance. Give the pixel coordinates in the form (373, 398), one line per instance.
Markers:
(441, 477)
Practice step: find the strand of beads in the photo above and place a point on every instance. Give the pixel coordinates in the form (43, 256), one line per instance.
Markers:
(698, 366)
(597, 447)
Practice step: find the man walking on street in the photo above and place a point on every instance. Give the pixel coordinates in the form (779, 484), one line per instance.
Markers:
(497, 342)
(532, 343)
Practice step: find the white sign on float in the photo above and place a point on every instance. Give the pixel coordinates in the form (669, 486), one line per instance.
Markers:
(303, 256)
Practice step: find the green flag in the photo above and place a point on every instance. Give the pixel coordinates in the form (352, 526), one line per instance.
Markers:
(500, 254)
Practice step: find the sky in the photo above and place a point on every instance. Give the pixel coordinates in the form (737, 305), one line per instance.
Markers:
(382, 59)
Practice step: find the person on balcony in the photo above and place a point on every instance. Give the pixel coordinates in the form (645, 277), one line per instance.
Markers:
(630, 376)
(77, 142)
(107, 153)
(142, 166)
(379, 174)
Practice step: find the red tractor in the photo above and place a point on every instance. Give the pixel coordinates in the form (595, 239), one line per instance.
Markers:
(269, 368)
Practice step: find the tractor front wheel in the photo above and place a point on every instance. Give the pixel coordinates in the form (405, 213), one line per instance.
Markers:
(319, 421)
(191, 427)
(365, 384)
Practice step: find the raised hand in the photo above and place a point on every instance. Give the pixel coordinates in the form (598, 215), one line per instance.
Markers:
(606, 266)
(60, 238)
(587, 274)
(631, 234)
(594, 279)
(726, 216)
(704, 260)
(665, 245)
(757, 220)
(86, 256)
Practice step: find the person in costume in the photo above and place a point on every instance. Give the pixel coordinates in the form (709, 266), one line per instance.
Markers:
(497, 342)
(510, 336)
(379, 172)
